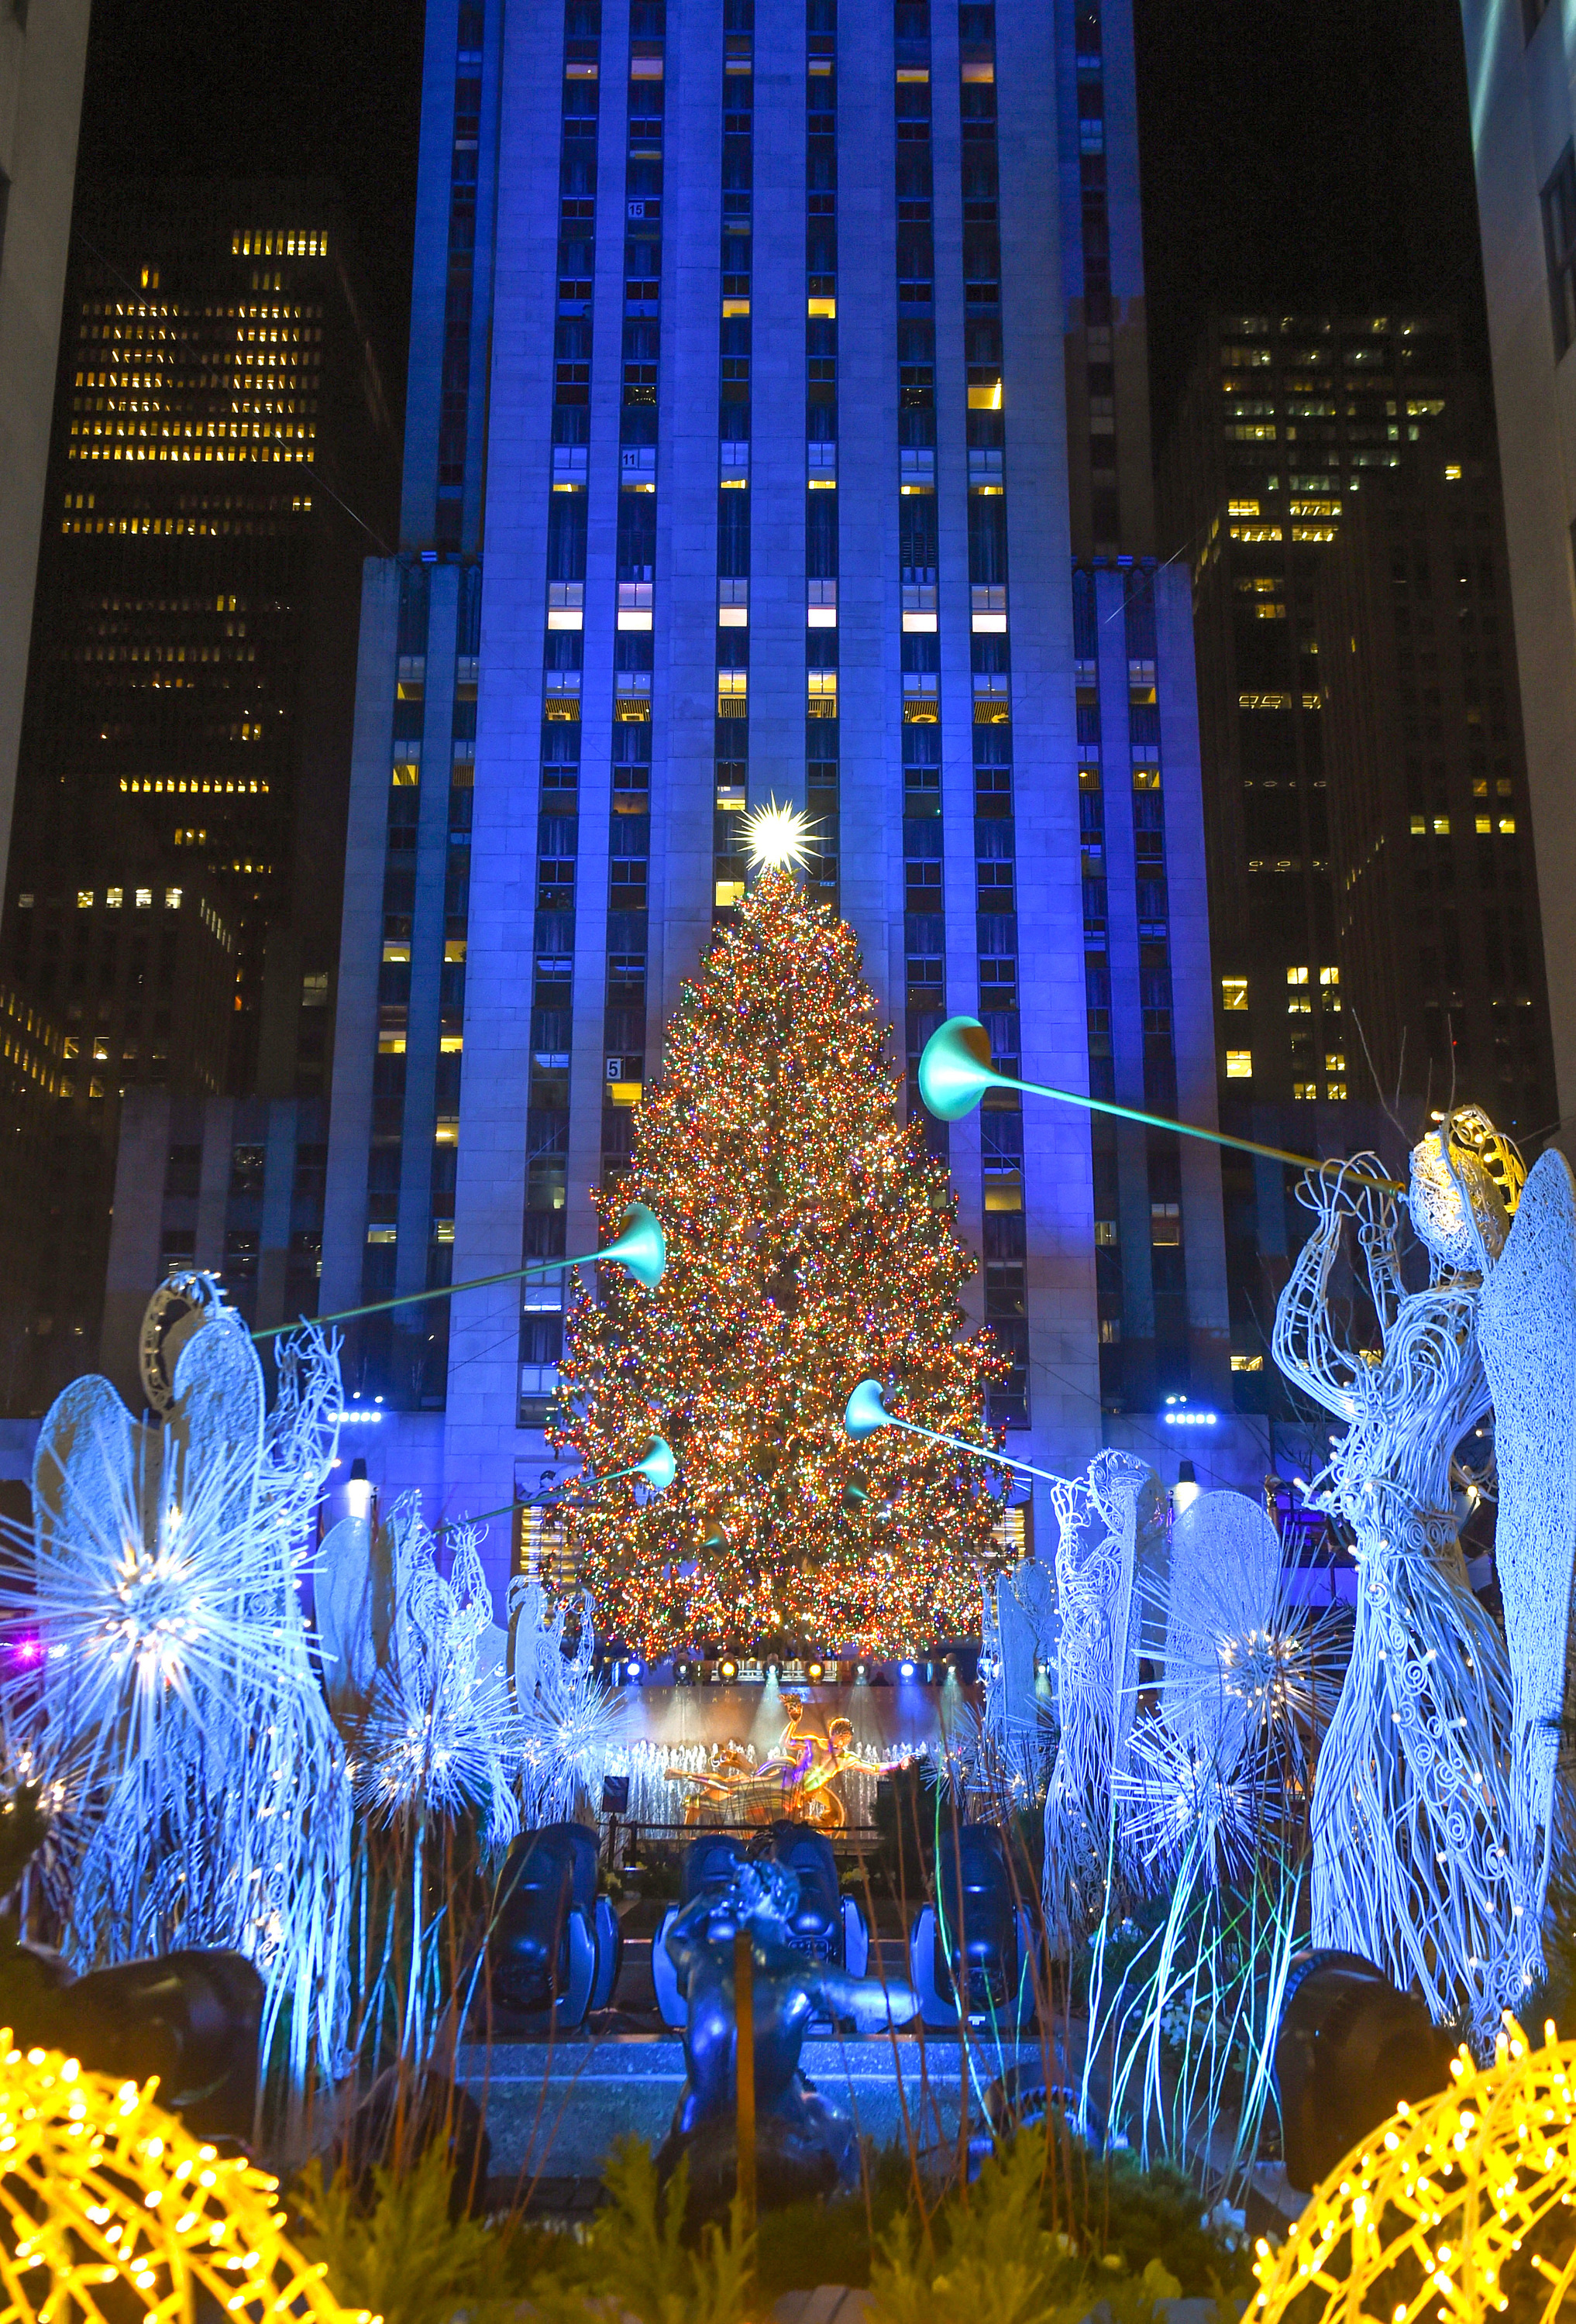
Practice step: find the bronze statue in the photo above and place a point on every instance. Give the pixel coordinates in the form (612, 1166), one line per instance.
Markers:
(805, 2146)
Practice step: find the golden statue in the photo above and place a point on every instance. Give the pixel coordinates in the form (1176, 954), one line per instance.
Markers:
(798, 1778)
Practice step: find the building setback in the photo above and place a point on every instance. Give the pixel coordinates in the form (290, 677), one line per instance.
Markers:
(738, 465)
(1519, 66)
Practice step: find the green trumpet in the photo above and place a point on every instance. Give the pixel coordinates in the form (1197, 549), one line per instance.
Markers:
(865, 1411)
(642, 1248)
(656, 1464)
(956, 1071)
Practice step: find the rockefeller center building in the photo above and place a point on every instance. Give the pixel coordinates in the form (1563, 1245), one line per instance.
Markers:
(777, 428)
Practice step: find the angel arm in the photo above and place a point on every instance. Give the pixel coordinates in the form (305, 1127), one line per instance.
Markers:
(1303, 1344)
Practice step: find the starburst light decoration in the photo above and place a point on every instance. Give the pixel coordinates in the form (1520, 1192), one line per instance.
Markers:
(1458, 2207)
(109, 2208)
(778, 837)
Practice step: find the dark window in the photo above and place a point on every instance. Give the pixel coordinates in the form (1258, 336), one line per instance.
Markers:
(182, 1170)
(1560, 245)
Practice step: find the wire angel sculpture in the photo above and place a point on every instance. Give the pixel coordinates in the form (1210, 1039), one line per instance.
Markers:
(1433, 1800)
(159, 1581)
(1018, 1633)
(1102, 1515)
(567, 1719)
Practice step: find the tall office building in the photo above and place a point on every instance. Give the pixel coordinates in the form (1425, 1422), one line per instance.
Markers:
(740, 463)
(41, 58)
(222, 458)
(1432, 852)
(221, 455)
(1286, 424)
(1520, 64)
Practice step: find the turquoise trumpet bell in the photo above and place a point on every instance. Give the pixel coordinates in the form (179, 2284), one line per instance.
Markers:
(641, 1247)
(656, 1463)
(955, 1069)
(864, 1411)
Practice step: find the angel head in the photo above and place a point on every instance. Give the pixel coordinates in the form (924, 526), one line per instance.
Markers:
(1466, 1179)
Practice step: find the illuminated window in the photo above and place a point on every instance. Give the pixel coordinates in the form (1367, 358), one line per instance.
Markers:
(406, 775)
(381, 1234)
(114, 898)
(1111, 1331)
(821, 693)
(1419, 826)
(397, 952)
(84, 899)
(390, 1045)
(1166, 1222)
(1105, 1233)
(1308, 1089)
(1239, 1065)
(1242, 507)
(1233, 992)
(1334, 1062)
(451, 1044)
(1296, 976)
(1334, 1091)
(1264, 702)
(172, 900)
(144, 896)
(1328, 977)
(1247, 1363)
(1507, 825)
(1484, 822)
(732, 688)
(729, 892)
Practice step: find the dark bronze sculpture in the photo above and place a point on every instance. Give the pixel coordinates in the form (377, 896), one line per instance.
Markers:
(805, 2146)
(193, 2018)
(1350, 2047)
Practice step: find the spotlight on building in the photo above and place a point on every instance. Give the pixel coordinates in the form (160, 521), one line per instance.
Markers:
(1186, 1489)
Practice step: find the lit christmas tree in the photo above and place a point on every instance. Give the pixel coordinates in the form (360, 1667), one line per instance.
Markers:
(810, 1243)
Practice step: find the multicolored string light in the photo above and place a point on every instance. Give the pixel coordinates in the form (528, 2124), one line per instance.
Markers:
(811, 1241)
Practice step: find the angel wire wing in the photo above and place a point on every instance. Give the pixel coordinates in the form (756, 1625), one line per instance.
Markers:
(1526, 1330)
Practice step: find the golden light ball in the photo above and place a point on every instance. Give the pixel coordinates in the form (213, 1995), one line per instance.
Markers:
(104, 2193)
(1449, 2191)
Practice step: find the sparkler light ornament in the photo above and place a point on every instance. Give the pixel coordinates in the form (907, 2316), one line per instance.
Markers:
(777, 838)
(810, 1240)
(1455, 2207)
(110, 2208)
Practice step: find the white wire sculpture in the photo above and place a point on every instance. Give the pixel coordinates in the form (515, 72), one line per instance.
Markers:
(568, 1719)
(1099, 1515)
(438, 1735)
(1217, 1616)
(159, 1579)
(1526, 1328)
(1420, 1857)
(1017, 1633)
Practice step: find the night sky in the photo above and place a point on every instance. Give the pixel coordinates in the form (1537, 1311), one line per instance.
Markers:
(1310, 152)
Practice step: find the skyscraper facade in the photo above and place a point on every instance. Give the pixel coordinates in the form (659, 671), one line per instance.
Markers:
(742, 464)
(1288, 424)
(1520, 69)
(221, 455)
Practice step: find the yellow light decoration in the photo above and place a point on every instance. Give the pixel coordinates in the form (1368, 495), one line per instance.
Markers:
(1458, 2209)
(811, 1241)
(104, 2194)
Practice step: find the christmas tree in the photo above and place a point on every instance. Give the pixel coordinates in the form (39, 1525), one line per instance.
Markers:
(811, 1241)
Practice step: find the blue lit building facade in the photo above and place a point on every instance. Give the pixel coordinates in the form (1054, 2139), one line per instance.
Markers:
(777, 426)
